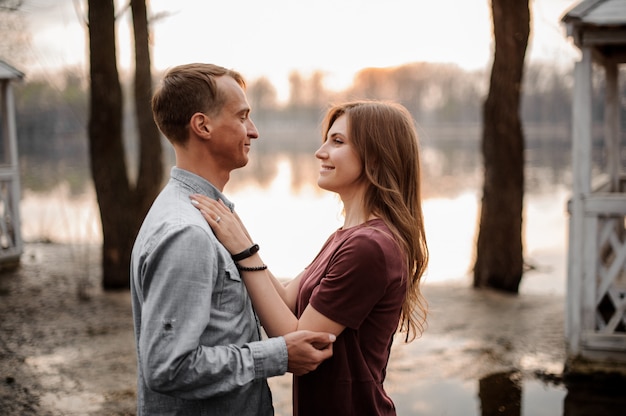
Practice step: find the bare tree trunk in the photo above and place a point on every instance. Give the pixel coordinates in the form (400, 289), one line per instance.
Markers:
(499, 252)
(122, 208)
(151, 153)
(105, 139)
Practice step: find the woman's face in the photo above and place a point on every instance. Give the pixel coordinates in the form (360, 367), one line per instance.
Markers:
(341, 168)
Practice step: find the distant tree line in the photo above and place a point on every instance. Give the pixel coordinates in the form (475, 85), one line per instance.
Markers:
(52, 129)
(443, 98)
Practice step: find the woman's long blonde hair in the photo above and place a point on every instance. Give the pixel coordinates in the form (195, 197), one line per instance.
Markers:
(386, 140)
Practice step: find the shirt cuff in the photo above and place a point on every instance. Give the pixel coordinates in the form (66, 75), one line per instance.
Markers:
(270, 357)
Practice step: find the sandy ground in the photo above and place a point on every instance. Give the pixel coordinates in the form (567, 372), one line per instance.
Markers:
(67, 348)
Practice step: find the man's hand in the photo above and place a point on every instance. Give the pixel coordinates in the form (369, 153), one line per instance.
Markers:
(307, 349)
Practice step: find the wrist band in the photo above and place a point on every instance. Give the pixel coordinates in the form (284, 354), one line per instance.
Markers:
(251, 269)
(246, 253)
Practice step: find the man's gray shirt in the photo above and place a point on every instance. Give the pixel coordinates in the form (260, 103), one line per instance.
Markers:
(199, 347)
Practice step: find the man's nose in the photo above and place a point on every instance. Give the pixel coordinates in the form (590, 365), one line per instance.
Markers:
(253, 133)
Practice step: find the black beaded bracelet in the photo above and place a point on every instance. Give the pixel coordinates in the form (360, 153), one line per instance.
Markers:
(246, 253)
(251, 269)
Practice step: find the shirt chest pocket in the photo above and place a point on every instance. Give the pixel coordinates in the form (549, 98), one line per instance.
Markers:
(230, 294)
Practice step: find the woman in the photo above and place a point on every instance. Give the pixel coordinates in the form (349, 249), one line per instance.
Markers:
(364, 284)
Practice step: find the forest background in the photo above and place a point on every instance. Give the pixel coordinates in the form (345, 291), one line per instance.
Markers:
(445, 100)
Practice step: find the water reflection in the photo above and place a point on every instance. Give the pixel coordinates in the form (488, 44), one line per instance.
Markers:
(597, 395)
(501, 394)
(511, 394)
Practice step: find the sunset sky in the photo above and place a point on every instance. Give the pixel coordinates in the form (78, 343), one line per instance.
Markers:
(271, 38)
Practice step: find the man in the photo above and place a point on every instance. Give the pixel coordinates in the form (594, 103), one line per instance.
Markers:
(199, 347)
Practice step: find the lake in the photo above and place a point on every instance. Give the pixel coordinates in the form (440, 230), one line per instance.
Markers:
(291, 225)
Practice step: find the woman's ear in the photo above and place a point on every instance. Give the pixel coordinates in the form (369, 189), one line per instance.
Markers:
(200, 125)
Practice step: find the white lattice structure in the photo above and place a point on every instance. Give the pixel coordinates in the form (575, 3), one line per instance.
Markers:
(10, 235)
(596, 287)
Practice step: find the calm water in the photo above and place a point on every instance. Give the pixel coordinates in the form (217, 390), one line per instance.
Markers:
(291, 225)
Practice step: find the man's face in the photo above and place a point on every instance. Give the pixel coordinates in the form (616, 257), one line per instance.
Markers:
(232, 129)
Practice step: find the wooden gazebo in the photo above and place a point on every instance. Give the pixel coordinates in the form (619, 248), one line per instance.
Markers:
(596, 284)
(10, 234)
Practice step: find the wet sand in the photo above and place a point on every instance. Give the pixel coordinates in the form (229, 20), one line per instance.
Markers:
(67, 348)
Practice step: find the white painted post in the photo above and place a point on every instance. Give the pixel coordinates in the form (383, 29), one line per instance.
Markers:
(612, 125)
(581, 166)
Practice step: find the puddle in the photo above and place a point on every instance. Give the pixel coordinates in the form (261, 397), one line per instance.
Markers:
(510, 394)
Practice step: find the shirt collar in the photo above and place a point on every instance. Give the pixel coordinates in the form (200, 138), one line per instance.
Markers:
(199, 185)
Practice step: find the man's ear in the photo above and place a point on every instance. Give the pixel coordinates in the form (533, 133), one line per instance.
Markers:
(200, 125)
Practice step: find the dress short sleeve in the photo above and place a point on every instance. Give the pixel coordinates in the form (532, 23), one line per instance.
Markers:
(355, 280)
